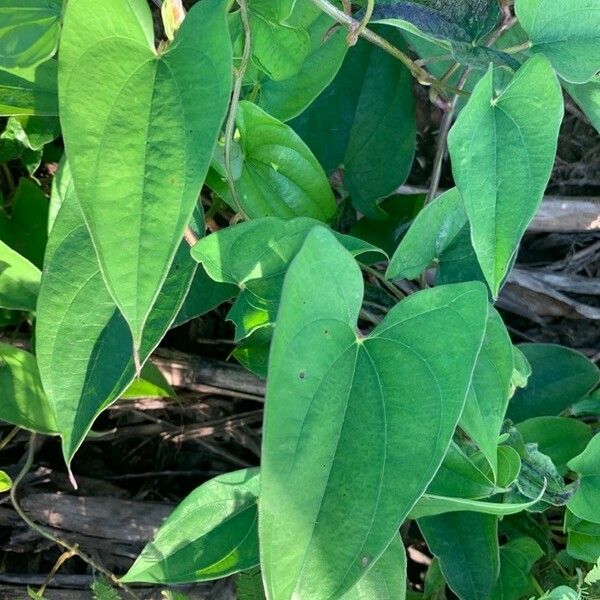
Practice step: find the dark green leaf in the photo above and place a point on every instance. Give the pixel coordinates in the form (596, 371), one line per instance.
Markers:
(364, 124)
(586, 500)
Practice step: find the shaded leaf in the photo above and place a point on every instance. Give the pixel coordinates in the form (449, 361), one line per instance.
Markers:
(19, 281)
(587, 97)
(31, 91)
(586, 500)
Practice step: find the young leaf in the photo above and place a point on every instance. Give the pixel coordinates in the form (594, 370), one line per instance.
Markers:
(70, 344)
(516, 561)
(140, 184)
(31, 91)
(150, 384)
(23, 400)
(329, 392)
(567, 32)
(466, 545)
(286, 99)
(557, 437)
(210, 535)
(5, 482)
(488, 396)
(280, 176)
(350, 125)
(433, 230)
(19, 281)
(29, 31)
(386, 580)
(502, 148)
(560, 377)
(586, 500)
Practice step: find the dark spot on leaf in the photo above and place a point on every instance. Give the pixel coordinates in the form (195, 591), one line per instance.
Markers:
(301, 374)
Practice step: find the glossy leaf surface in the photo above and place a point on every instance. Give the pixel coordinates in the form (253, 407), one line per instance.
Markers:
(140, 184)
(330, 391)
(502, 147)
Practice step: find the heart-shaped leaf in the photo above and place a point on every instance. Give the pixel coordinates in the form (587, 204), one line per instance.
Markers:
(586, 500)
(331, 392)
(502, 148)
(140, 126)
(567, 32)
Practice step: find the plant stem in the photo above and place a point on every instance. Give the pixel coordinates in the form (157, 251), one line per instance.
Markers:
(235, 100)
(519, 48)
(190, 236)
(355, 33)
(389, 287)
(73, 549)
(418, 72)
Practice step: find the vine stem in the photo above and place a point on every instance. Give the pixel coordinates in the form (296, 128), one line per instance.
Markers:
(422, 76)
(235, 101)
(72, 549)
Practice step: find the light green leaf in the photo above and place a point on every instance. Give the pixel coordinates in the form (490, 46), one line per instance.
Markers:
(312, 478)
(140, 128)
(586, 500)
(364, 123)
(466, 545)
(560, 377)
(583, 538)
(23, 400)
(567, 32)
(587, 97)
(280, 176)
(430, 506)
(516, 561)
(210, 535)
(19, 281)
(503, 146)
(559, 438)
(488, 396)
(386, 580)
(5, 482)
(286, 99)
(521, 370)
(29, 31)
(277, 48)
(269, 244)
(31, 91)
(150, 384)
(79, 327)
(433, 230)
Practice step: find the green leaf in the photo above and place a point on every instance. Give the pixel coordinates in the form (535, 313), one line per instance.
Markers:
(567, 32)
(102, 590)
(488, 396)
(386, 580)
(429, 506)
(583, 538)
(516, 561)
(364, 123)
(466, 545)
(141, 192)
(23, 400)
(312, 478)
(79, 327)
(253, 352)
(587, 97)
(29, 31)
(560, 377)
(210, 535)
(503, 146)
(30, 91)
(278, 49)
(559, 438)
(586, 500)
(249, 586)
(269, 245)
(5, 482)
(24, 229)
(287, 98)
(459, 20)
(19, 281)
(150, 384)
(433, 230)
(280, 176)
